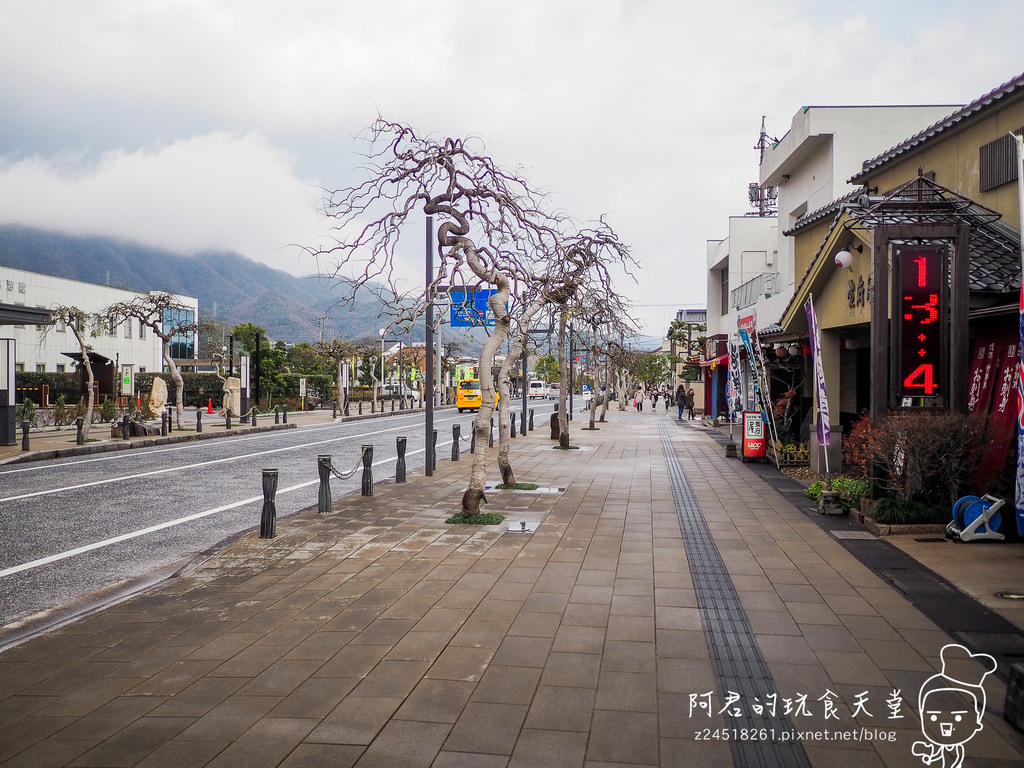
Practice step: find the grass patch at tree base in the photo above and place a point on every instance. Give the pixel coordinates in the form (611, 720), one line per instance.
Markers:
(487, 518)
(517, 486)
(590, 429)
(568, 448)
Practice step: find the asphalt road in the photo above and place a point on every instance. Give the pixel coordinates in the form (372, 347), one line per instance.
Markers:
(78, 532)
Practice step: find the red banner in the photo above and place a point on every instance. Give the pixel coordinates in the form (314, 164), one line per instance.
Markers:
(992, 390)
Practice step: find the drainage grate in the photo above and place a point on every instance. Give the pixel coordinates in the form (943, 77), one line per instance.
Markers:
(853, 534)
(736, 660)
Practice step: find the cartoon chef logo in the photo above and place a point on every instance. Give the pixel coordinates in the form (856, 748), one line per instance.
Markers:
(951, 704)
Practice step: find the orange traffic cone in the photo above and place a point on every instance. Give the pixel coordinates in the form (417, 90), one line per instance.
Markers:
(209, 408)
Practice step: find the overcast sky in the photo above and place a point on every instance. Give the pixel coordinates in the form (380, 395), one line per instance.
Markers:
(198, 124)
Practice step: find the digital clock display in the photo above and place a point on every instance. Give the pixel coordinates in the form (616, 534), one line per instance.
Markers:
(920, 319)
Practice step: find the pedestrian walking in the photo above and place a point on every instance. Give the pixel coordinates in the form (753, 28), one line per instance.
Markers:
(638, 400)
(690, 398)
(680, 400)
(654, 400)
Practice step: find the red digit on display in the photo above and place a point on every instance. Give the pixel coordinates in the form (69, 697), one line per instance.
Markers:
(922, 377)
(922, 271)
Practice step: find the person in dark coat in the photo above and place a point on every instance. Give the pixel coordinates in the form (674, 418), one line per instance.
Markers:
(681, 400)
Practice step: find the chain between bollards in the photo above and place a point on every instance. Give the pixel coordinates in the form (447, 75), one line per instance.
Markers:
(268, 517)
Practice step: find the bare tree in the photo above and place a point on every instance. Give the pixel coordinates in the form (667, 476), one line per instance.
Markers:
(491, 225)
(340, 352)
(166, 316)
(75, 319)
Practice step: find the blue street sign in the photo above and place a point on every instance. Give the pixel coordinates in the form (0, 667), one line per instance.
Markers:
(470, 310)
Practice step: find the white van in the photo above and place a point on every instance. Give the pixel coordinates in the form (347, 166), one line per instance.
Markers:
(537, 389)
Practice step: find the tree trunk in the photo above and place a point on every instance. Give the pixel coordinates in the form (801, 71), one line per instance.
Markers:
(179, 385)
(474, 494)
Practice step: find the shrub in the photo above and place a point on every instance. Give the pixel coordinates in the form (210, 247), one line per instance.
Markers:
(904, 512)
(850, 490)
(26, 411)
(926, 454)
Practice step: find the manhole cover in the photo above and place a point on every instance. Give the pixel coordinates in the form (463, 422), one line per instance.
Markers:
(1010, 595)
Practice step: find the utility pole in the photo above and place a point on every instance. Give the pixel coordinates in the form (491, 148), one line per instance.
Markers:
(322, 319)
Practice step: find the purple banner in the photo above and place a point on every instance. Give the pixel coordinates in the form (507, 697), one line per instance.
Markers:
(824, 427)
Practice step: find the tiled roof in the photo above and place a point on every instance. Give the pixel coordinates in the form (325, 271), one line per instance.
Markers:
(827, 211)
(989, 100)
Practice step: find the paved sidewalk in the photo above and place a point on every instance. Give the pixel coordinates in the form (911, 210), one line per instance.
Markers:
(378, 635)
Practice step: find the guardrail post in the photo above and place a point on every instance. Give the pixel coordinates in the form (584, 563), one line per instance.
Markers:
(126, 428)
(268, 517)
(400, 464)
(433, 451)
(367, 470)
(80, 425)
(24, 435)
(455, 441)
(323, 497)
(199, 420)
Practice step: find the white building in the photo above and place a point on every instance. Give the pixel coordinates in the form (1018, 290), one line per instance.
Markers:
(125, 350)
(752, 273)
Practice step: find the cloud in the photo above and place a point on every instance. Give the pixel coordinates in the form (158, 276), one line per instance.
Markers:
(218, 191)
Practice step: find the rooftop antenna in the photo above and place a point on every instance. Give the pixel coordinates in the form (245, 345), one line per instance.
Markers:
(763, 198)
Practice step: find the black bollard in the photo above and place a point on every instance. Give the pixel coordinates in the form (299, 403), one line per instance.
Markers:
(455, 442)
(323, 497)
(392, 405)
(401, 404)
(373, 406)
(284, 414)
(253, 413)
(227, 419)
(531, 419)
(346, 407)
(400, 464)
(163, 424)
(433, 451)
(277, 415)
(126, 428)
(268, 518)
(512, 425)
(24, 435)
(490, 436)
(472, 440)
(199, 421)
(360, 407)
(334, 409)
(522, 424)
(80, 425)
(367, 470)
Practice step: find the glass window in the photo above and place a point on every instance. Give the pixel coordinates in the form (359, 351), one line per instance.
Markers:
(127, 327)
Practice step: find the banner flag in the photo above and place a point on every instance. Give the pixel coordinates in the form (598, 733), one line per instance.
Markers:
(1019, 490)
(824, 427)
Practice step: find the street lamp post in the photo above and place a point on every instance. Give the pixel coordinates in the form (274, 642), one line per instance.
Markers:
(382, 332)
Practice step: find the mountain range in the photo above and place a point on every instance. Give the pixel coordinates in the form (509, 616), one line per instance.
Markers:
(231, 288)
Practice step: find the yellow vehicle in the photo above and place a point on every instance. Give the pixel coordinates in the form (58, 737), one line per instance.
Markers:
(467, 395)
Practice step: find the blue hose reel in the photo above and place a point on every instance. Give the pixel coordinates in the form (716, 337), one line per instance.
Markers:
(976, 519)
